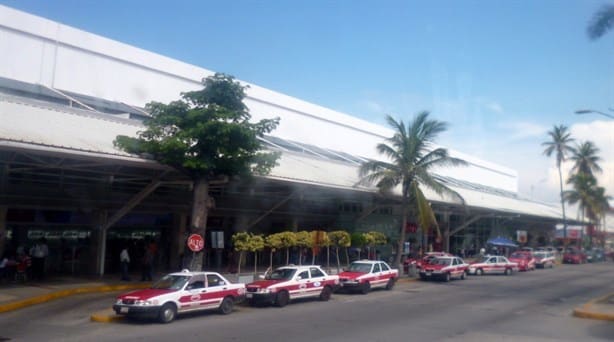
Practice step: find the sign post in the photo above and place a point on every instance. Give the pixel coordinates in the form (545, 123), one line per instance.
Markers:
(195, 243)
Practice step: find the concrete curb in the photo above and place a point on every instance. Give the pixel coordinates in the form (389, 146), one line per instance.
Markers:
(587, 310)
(69, 292)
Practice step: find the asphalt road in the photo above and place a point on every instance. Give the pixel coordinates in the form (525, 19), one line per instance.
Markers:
(533, 306)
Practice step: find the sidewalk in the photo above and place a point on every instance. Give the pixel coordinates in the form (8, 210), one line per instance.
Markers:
(601, 308)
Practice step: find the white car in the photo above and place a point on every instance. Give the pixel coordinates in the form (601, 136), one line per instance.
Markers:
(363, 275)
(181, 292)
(493, 264)
(290, 282)
(444, 268)
(544, 259)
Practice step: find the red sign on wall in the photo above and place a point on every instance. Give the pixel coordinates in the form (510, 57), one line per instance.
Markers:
(196, 242)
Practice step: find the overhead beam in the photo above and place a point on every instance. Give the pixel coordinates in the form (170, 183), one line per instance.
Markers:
(467, 223)
(277, 205)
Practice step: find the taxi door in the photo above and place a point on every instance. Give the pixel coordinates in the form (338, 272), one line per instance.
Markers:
(215, 292)
(317, 281)
(304, 284)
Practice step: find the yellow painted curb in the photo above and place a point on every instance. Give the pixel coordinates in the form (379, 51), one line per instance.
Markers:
(105, 316)
(69, 292)
(585, 311)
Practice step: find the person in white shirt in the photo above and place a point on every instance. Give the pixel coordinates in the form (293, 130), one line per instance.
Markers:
(39, 253)
(124, 259)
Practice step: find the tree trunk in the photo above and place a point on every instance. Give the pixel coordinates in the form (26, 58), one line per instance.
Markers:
(287, 255)
(200, 209)
(347, 257)
(239, 266)
(255, 263)
(563, 207)
(338, 261)
(271, 260)
(397, 258)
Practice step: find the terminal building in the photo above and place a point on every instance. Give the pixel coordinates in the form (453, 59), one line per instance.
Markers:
(65, 94)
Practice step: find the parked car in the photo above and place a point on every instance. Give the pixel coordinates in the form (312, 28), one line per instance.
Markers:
(574, 256)
(544, 259)
(524, 259)
(444, 268)
(181, 292)
(291, 282)
(595, 255)
(427, 258)
(364, 275)
(493, 264)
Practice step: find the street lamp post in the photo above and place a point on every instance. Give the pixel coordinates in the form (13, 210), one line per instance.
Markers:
(590, 111)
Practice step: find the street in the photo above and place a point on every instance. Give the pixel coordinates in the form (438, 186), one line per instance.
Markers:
(527, 306)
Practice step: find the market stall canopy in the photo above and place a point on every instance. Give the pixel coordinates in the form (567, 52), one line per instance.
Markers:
(500, 241)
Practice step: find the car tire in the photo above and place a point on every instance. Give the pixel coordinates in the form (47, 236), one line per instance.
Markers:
(227, 306)
(422, 277)
(390, 284)
(167, 313)
(365, 288)
(462, 277)
(282, 299)
(479, 272)
(447, 278)
(326, 293)
(507, 272)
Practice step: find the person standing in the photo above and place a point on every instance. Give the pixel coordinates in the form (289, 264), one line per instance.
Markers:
(124, 259)
(39, 253)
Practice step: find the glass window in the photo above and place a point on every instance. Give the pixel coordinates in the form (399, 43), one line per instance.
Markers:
(303, 275)
(384, 267)
(377, 268)
(214, 280)
(315, 272)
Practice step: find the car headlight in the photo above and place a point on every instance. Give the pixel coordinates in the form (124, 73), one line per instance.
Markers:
(142, 302)
(119, 301)
(264, 290)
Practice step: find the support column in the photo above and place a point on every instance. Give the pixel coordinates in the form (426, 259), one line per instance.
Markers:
(99, 241)
(3, 210)
(178, 239)
(446, 232)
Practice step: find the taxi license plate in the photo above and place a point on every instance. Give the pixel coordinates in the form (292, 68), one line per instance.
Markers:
(248, 295)
(428, 274)
(124, 310)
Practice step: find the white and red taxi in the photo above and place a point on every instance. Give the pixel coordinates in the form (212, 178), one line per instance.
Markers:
(444, 268)
(291, 282)
(544, 259)
(181, 292)
(363, 275)
(524, 259)
(493, 264)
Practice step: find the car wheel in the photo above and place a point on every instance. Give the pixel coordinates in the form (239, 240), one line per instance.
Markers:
(365, 288)
(479, 272)
(462, 276)
(282, 299)
(422, 277)
(167, 313)
(447, 277)
(507, 271)
(325, 294)
(390, 284)
(226, 306)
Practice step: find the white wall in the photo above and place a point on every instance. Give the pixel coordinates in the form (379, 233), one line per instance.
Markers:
(45, 52)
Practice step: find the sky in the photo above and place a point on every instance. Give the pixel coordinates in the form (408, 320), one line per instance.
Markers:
(500, 73)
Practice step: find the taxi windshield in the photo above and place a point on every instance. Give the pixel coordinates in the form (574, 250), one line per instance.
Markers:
(444, 262)
(540, 254)
(518, 256)
(281, 274)
(360, 267)
(171, 282)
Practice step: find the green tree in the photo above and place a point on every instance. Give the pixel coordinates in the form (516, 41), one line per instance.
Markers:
(256, 244)
(359, 241)
(303, 240)
(602, 22)
(240, 241)
(274, 243)
(207, 134)
(413, 157)
(339, 238)
(376, 239)
(320, 239)
(585, 159)
(284, 240)
(560, 144)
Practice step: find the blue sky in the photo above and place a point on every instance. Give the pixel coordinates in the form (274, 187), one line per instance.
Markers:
(501, 73)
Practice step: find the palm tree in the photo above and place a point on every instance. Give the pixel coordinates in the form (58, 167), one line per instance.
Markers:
(412, 159)
(560, 143)
(602, 22)
(585, 159)
(591, 198)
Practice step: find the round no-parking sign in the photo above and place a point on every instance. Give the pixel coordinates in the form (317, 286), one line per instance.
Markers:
(196, 242)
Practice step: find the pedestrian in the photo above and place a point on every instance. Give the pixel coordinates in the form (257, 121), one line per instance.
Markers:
(124, 259)
(147, 265)
(39, 253)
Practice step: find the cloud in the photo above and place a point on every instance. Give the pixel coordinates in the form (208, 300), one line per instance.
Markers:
(524, 130)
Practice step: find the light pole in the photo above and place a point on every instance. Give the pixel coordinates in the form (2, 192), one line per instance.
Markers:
(590, 111)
